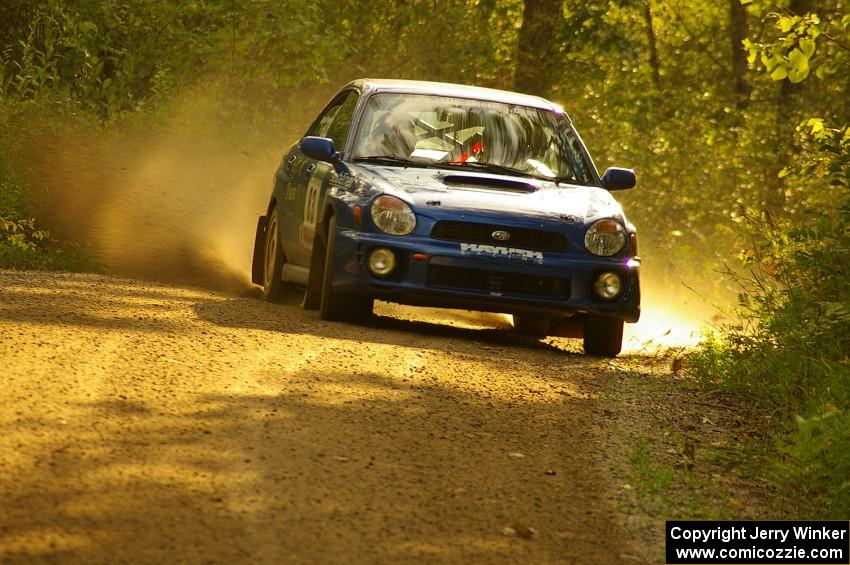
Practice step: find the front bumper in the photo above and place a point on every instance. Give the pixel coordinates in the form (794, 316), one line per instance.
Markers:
(453, 275)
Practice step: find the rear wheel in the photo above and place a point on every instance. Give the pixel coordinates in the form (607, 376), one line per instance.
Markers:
(334, 305)
(273, 260)
(603, 336)
(531, 326)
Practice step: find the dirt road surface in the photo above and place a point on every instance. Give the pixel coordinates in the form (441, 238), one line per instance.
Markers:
(148, 423)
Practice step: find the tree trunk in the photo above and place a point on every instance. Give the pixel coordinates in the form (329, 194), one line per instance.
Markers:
(786, 127)
(652, 45)
(536, 67)
(737, 33)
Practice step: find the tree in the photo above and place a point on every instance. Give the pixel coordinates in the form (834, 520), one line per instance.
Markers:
(737, 35)
(536, 61)
(652, 45)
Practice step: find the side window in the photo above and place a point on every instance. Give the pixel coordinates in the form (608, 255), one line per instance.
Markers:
(320, 128)
(341, 122)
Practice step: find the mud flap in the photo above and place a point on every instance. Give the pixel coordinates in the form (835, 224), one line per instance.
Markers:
(257, 264)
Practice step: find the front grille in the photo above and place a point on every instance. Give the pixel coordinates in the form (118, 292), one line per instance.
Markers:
(493, 282)
(524, 238)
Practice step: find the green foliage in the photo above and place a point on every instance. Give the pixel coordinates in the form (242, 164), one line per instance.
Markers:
(789, 352)
(102, 57)
(790, 356)
(23, 234)
(26, 245)
(66, 257)
(10, 190)
(801, 43)
(790, 54)
(815, 460)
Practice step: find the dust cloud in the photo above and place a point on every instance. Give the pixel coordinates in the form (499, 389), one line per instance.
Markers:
(674, 313)
(175, 201)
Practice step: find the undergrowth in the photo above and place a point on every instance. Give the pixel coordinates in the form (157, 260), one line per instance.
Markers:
(24, 244)
(790, 354)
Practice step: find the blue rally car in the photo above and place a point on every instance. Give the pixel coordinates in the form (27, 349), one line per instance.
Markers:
(452, 196)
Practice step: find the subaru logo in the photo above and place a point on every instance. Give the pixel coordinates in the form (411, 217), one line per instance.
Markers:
(500, 235)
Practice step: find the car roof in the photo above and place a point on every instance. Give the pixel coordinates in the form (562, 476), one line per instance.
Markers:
(455, 90)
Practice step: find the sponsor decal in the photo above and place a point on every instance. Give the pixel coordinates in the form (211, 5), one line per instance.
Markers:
(501, 252)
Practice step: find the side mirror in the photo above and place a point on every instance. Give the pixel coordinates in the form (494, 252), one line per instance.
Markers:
(319, 148)
(616, 178)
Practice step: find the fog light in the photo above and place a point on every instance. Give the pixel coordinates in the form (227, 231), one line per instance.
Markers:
(608, 286)
(381, 262)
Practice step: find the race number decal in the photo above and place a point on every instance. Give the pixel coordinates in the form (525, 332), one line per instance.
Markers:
(311, 208)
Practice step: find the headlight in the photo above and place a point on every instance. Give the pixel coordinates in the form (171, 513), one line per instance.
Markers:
(392, 215)
(605, 238)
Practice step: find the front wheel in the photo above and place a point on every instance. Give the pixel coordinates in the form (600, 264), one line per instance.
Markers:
(603, 336)
(334, 305)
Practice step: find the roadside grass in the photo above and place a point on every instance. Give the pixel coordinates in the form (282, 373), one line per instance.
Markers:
(651, 481)
(684, 452)
(719, 484)
(785, 366)
(798, 392)
(673, 487)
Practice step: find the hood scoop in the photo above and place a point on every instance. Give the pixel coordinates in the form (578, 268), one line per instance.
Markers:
(486, 182)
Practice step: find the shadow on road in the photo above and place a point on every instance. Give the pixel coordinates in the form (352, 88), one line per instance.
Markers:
(290, 318)
(179, 425)
(348, 467)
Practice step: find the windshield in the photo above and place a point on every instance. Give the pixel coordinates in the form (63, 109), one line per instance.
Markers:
(428, 130)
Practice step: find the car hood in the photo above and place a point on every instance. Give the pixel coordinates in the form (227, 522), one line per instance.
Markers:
(482, 193)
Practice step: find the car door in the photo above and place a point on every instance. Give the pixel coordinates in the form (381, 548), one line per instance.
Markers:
(316, 174)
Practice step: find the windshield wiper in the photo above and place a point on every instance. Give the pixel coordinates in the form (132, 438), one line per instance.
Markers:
(491, 167)
(389, 160)
(483, 166)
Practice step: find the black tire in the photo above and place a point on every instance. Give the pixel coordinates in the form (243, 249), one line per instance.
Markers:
(531, 326)
(273, 260)
(603, 336)
(336, 306)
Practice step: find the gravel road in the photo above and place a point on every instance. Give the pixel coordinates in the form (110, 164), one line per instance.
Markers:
(152, 423)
